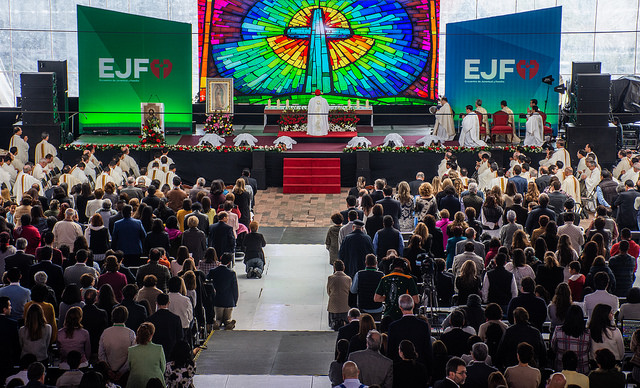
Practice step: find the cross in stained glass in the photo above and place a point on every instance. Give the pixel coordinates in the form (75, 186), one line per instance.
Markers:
(318, 34)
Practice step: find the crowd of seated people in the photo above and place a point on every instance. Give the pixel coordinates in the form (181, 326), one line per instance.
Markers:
(533, 293)
(114, 275)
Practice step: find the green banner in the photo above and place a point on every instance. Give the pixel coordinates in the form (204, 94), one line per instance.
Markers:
(125, 60)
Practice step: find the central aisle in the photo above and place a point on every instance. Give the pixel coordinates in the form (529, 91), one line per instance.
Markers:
(291, 296)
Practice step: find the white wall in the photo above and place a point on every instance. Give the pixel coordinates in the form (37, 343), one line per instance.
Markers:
(592, 30)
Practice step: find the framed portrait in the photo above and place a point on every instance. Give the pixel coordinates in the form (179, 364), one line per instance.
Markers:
(152, 114)
(219, 95)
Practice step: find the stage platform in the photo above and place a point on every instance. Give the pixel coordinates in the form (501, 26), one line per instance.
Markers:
(267, 167)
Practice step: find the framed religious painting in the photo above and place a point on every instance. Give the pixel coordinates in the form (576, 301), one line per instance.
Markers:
(219, 95)
(152, 115)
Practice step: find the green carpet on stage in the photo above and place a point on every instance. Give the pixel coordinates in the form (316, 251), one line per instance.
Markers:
(119, 139)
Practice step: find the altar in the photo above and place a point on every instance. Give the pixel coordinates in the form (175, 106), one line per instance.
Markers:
(272, 114)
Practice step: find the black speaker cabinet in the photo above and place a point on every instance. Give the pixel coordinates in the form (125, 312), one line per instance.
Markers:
(39, 98)
(583, 68)
(593, 95)
(258, 168)
(60, 69)
(602, 138)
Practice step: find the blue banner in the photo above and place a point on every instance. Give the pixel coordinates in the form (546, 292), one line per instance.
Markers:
(505, 58)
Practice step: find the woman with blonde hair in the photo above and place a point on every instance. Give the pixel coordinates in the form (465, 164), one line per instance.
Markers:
(458, 220)
(243, 200)
(35, 335)
(406, 219)
(496, 379)
(467, 282)
(436, 184)
(532, 194)
(497, 193)
(520, 240)
(458, 185)
(426, 202)
(72, 336)
(425, 238)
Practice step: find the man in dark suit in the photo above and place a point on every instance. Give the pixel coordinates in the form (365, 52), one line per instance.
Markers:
(390, 206)
(131, 190)
(47, 241)
(168, 326)
(456, 374)
(535, 306)
(9, 338)
(113, 219)
(137, 312)
(542, 209)
(221, 235)
(456, 339)
(20, 260)
(246, 175)
(355, 248)
(478, 371)
(55, 278)
(569, 208)
(351, 205)
(349, 330)
(154, 268)
(409, 327)
(521, 212)
(556, 197)
(387, 238)
(520, 182)
(626, 217)
(415, 185)
(377, 194)
(128, 235)
(225, 283)
(94, 319)
(521, 331)
(543, 180)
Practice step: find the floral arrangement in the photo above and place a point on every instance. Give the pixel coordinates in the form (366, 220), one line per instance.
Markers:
(219, 124)
(187, 148)
(153, 135)
(340, 120)
(441, 149)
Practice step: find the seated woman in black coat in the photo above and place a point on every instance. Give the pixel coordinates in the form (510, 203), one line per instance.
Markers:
(374, 221)
(252, 246)
(411, 253)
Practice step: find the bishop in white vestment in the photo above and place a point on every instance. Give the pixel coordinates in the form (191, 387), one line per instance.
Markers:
(318, 116)
(470, 130)
(444, 128)
(535, 130)
(21, 144)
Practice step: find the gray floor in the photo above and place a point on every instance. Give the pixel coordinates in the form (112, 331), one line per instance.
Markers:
(294, 235)
(268, 353)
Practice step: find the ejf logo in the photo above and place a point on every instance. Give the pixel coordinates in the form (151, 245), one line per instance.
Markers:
(499, 69)
(133, 68)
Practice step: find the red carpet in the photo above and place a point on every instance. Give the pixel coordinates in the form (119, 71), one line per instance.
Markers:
(302, 135)
(311, 176)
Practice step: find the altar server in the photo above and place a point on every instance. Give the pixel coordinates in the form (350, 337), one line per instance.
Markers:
(470, 130)
(318, 115)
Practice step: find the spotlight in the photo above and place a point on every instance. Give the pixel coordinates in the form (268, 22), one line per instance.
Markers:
(548, 80)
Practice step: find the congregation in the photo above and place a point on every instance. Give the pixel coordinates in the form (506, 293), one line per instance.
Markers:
(115, 274)
(509, 276)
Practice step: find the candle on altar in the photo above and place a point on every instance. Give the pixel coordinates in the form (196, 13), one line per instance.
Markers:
(287, 103)
(269, 103)
(358, 103)
(366, 103)
(349, 103)
(278, 103)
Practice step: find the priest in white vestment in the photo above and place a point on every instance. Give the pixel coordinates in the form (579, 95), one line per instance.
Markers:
(103, 179)
(127, 163)
(633, 174)
(45, 148)
(318, 116)
(5, 179)
(41, 170)
(67, 178)
(470, 130)
(560, 154)
(534, 136)
(21, 144)
(624, 165)
(484, 179)
(6, 166)
(78, 173)
(500, 181)
(444, 128)
(442, 167)
(591, 176)
(156, 173)
(24, 181)
(571, 185)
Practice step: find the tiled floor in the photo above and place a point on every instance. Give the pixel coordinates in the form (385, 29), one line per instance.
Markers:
(273, 208)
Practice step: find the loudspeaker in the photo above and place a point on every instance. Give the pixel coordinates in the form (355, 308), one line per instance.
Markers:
(593, 95)
(601, 138)
(583, 68)
(39, 98)
(258, 168)
(60, 69)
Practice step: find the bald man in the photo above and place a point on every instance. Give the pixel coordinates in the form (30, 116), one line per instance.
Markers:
(350, 374)
(557, 380)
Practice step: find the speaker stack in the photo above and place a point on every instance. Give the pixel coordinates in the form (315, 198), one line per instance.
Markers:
(591, 95)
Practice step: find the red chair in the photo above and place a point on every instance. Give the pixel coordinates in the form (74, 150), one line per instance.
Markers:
(501, 127)
(548, 131)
